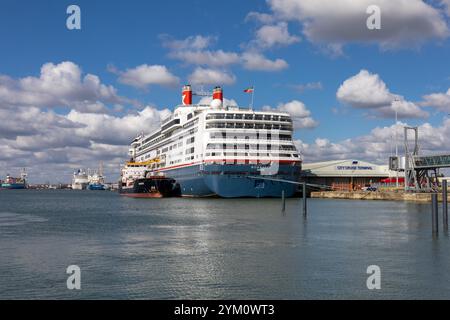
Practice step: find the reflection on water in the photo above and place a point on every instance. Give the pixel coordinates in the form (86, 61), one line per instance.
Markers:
(216, 248)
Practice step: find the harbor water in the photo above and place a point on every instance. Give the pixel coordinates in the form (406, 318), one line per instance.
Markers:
(216, 248)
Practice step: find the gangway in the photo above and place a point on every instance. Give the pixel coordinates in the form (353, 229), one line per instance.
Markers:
(421, 171)
(432, 162)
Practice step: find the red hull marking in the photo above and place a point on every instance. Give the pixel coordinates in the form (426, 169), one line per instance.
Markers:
(213, 160)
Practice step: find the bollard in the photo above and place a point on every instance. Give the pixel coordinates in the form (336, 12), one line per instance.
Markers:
(304, 200)
(434, 214)
(283, 202)
(444, 204)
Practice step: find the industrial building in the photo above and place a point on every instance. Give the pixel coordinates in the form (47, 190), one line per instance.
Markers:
(348, 174)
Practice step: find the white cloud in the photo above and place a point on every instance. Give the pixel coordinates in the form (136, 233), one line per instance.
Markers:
(217, 58)
(336, 23)
(257, 62)
(197, 42)
(226, 102)
(446, 4)
(440, 101)
(211, 76)
(377, 145)
(301, 116)
(307, 86)
(264, 18)
(145, 75)
(99, 127)
(199, 55)
(60, 85)
(368, 91)
(274, 35)
(365, 90)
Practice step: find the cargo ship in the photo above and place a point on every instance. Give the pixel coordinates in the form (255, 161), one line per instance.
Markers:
(222, 150)
(15, 183)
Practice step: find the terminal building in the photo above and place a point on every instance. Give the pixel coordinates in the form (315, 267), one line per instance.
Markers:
(349, 174)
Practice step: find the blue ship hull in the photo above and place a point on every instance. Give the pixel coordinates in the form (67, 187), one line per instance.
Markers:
(233, 180)
(96, 187)
(14, 186)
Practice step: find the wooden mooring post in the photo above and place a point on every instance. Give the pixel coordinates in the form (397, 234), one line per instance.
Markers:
(434, 214)
(444, 205)
(305, 196)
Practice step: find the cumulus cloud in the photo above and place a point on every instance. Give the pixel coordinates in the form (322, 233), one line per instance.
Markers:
(197, 42)
(99, 127)
(257, 62)
(336, 23)
(446, 4)
(195, 50)
(226, 102)
(377, 145)
(269, 36)
(260, 17)
(368, 91)
(300, 114)
(51, 145)
(211, 76)
(59, 85)
(202, 55)
(440, 101)
(145, 75)
(218, 58)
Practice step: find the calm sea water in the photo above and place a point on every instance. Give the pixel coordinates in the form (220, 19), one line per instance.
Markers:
(215, 248)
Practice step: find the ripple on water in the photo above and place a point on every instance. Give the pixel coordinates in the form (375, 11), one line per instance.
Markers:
(10, 219)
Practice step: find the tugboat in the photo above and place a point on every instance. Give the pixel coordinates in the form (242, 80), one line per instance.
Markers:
(139, 181)
(15, 183)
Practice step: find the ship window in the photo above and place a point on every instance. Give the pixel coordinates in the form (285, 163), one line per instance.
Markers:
(229, 116)
(230, 125)
(267, 117)
(249, 126)
(275, 118)
(190, 115)
(259, 126)
(248, 117)
(258, 117)
(238, 116)
(239, 125)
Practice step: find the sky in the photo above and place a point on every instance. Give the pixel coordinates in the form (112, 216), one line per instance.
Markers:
(74, 98)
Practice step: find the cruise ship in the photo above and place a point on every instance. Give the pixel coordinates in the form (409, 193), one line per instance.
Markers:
(80, 180)
(222, 150)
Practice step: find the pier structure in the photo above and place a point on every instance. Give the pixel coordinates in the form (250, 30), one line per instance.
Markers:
(421, 171)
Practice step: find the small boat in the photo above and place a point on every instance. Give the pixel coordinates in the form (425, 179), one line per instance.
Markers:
(96, 187)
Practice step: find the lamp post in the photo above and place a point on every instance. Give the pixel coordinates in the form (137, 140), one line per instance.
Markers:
(396, 140)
